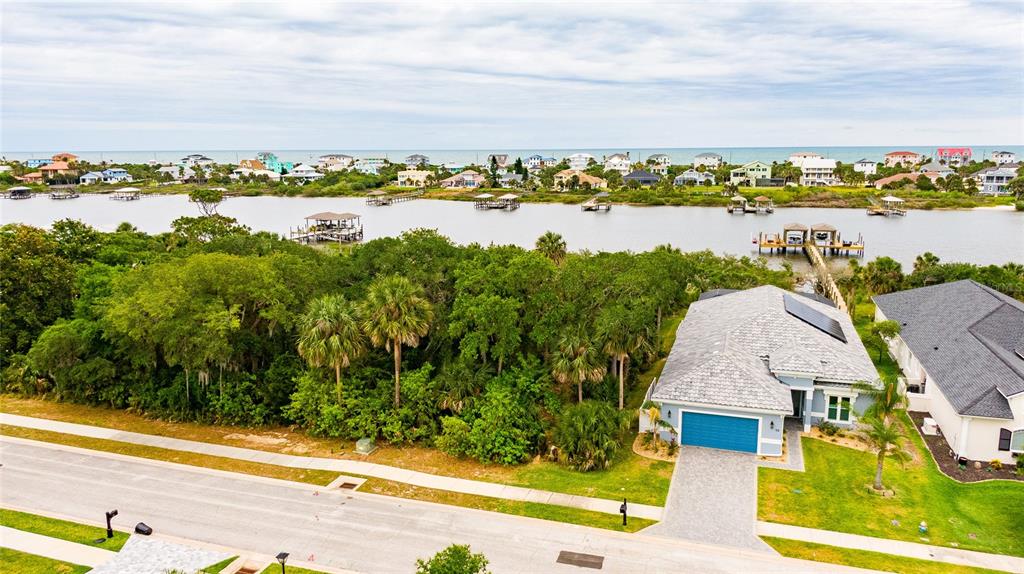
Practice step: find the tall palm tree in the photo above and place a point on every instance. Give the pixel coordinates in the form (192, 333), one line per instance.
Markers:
(329, 334)
(886, 437)
(621, 334)
(396, 313)
(576, 361)
(552, 245)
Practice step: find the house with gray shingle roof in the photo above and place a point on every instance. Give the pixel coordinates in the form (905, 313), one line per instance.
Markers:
(744, 361)
(961, 348)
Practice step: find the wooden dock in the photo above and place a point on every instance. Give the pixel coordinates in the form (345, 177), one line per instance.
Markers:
(507, 202)
(891, 206)
(19, 192)
(825, 279)
(797, 237)
(67, 194)
(328, 226)
(126, 194)
(597, 203)
(382, 198)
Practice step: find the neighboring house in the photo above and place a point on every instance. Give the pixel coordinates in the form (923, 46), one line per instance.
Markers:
(34, 177)
(452, 167)
(694, 177)
(580, 161)
(535, 161)
(177, 172)
(797, 157)
(37, 162)
(935, 167)
(659, 163)
(91, 178)
(56, 168)
(370, 165)
(1001, 157)
(749, 174)
(252, 164)
(116, 175)
(618, 162)
(337, 161)
(270, 161)
(464, 179)
(904, 158)
(961, 348)
(241, 172)
(817, 171)
(564, 180)
(993, 180)
(304, 172)
(413, 178)
(500, 158)
(196, 159)
(906, 178)
(708, 160)
(643, 177)
(416, 160)
(953, 155)
(865, 166)
(743, 361)
(510, 180)
(72, 158)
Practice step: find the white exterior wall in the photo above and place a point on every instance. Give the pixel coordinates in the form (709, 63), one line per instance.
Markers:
(866, 168)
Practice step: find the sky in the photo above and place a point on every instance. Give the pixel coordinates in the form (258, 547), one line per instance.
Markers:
(461, 75)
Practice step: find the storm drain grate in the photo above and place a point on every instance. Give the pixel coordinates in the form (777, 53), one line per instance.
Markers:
(580, 559)
(348, 485)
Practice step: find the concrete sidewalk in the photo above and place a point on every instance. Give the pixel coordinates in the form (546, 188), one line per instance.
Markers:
(55, 548)
(479, 488)
(895, 547)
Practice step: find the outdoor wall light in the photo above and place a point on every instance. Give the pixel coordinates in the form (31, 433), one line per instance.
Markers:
(771, 425)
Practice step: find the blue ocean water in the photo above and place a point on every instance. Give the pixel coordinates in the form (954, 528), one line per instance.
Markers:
(736, 155)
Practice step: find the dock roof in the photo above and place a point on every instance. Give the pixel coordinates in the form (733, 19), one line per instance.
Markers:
(332, 216)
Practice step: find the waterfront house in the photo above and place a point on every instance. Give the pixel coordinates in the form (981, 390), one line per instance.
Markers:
(817, 171)
(641, 176)
(370, 165)
(273, 163)
(500, 158)
(90, 178)
(304, 173)
(960, 349)
(1001, 157)
(576, 179)
(37, 162)
(580, 161)
(902, 158)
(177, 172)
(743, 361)
(659, 163)
(246, 172)
(993, 180)
(942, 170)
(865, 166)
(34, 177)
(906, 178)
(748, 174)
(535, 161)
(415, 160)
(337, 161)
(464, 179)
(953, 155)
(252, 164)
(510, 180)
(116, 175)
(65, 157)
(618, 162)
(452, 166)
(798, 157)
(413, 177)
(694, 177)
(196, 159)
(56, 168)
(708, 160)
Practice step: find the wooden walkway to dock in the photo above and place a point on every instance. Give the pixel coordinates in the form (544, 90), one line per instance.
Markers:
(381, 198)
(828, 283)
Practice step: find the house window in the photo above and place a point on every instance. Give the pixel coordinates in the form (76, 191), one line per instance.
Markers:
(1012, 441)
(839, 409)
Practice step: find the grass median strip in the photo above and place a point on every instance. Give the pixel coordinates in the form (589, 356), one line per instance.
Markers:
(62, 529)
(317, 477)
(514, 507)
(23, 563)
(866, 559)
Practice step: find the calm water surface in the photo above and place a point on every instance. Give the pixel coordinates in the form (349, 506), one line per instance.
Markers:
(978, 236)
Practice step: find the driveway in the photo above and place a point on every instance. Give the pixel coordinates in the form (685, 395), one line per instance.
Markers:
(713, 498)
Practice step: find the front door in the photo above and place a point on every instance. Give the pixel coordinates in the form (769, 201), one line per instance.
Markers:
(798, 403)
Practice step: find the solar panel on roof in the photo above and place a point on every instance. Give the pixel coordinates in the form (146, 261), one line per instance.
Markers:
(813, 317)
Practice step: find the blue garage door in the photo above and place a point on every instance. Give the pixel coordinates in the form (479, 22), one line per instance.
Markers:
(717, 431)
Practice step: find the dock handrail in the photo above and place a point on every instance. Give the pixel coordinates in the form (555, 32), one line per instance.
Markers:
(829, 283)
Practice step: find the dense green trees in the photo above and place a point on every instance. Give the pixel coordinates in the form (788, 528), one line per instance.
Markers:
(396, 314)
(588, 435)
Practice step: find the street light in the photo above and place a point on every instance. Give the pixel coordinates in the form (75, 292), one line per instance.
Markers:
(282, 557)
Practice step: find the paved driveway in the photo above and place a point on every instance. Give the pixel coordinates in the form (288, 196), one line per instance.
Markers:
(713, 498)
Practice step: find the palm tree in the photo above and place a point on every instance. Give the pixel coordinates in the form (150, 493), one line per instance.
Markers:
(885, 401)
(329, 334)
(576, 361)
(552, 245)
(396, 313)
(622, 334)
(886, 438)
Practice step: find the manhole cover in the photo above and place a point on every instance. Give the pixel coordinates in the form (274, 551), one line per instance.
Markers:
(580, 559)
(348, 485)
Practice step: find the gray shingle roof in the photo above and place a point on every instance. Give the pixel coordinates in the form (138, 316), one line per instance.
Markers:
(965, 334)
(717, 356)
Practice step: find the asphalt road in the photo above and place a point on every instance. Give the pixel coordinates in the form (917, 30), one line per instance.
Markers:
(355, 531)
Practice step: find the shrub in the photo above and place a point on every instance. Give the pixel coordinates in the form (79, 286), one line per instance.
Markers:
(454, 437)
(827, 428)
(1019, 205)
(996, 464)
(647, 438)
(506, 431)
(673, 447)
(588, 434)
(456, 559)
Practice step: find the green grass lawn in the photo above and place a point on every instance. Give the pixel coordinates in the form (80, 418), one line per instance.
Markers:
(14, 562)
(833, 494)
(62, 529)
(216, 568)
(276, 569)
(866, 559)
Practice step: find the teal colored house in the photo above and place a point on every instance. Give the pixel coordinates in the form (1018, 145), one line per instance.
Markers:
(745, 362)
(271, 162)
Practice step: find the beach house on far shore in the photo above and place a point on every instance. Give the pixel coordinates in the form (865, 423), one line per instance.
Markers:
(500, 158)
(744, 361)
(902, 158)
(580, 161)
(816, 171)
(413, 177)
(415, 160)
(303, 172)
(252, 164)
(1001, 157)
(906, 178)
(90, 178)
(642, 177)
(942, 170)
(694, 177)
(659, 163)
(618, 162)
(452, 166)
(574, 178)
(993, 180)
(960, 349)
(749, 173)
(797, 157)
(65, 157)
(273, 163)
(370, 165)
(240, 172)
(116, 175)
(177, 172)
(34, 177)
(708, 160)
(865, 166)
(338, 161)
(464, 179)
(953, 155)
(37, 162)
(196, 159)
(56, 168)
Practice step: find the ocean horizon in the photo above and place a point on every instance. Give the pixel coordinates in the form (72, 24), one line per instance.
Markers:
(679, 155)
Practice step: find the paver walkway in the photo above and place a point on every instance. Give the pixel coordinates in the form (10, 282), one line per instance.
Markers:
(713, 498)
(794, 450)
(55, 548)
(396, 474)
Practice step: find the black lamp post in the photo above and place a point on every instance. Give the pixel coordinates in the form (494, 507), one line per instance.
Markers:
(622, 509)
(110, 531)
(282, 557)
